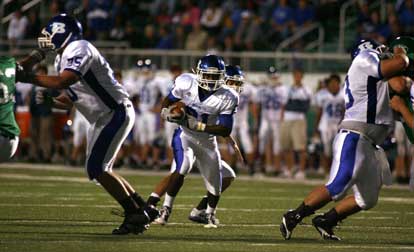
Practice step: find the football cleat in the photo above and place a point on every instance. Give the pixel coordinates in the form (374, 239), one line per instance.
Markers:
(164, 215)
(289, 222)
(198, 216)
(127, 228)
(325, 228)
(152, 213)
(212, 222)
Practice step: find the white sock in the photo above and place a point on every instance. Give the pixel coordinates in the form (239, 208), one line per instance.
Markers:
(210, 210)
(153, 194)
(168, 200)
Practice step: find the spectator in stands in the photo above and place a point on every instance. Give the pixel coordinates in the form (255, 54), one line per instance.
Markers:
(179, 37)
(191, 14)
(41, 124)
(406, 17)
(197, 38)
(282, 19)
(394, 26)
(380, 31)
(248, 31)
(304, 14)
(211, 17)
(17, 29)
(163, 17)
(99, 18)
(33, 28)
(166, 39)
(212, 45)
(227, 28)
(150, 39)
(293, 130)
(118, 30)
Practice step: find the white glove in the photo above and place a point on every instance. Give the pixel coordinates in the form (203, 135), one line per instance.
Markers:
(167, 115)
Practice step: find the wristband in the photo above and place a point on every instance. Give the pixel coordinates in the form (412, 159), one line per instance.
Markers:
(201, 126)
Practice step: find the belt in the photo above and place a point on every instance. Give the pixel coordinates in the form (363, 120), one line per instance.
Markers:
(361, 134)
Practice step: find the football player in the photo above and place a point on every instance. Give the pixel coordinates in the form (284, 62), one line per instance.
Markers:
(89, 85)
(247, 103)
(331, 106)
(9, 130)
(358, 161)
(150, 89)
(210, 107)
(270, 98)
(234, 79)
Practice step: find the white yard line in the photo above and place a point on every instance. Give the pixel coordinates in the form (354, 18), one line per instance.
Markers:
(58, 167)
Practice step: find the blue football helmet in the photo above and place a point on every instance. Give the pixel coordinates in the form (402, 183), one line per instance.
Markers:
(367, 44)
(59, 32)
(210, 72)
(234, 78)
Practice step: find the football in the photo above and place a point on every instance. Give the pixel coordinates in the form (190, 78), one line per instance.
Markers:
(178, 110)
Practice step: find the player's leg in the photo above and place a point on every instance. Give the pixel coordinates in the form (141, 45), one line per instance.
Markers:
(276, 147)
(246, 142)
(368, 182)
(159, 191)
(299, 137)
(344, 166)
(228, 175)
(286, 147)
(8, 147)
(264, 143)
(183, 161)
(209, 164)
(400, 161)
(106, 137)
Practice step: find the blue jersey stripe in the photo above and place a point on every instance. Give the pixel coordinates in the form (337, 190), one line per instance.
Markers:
(178, 150)
(346, 165)
(372, 99)
(102, 144)
(105, 97)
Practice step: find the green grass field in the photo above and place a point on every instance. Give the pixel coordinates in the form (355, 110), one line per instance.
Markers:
(57, 209)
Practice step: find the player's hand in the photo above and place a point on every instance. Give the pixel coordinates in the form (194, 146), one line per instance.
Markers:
(397, 103)
(22, 75)
(38, 54)
(168, 115)
(194, 124)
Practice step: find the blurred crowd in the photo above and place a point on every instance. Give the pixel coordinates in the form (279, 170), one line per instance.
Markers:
(289, 144)
(232, 25)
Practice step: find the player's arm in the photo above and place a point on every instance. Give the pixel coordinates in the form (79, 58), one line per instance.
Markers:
(400, 84)
(36, 56)
(62, 102)
(398, 104)
(167, 108)
(64, 80)
(397, 64)
(223, 128)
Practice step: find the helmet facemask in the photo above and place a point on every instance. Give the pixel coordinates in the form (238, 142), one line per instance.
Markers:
(235, 82)
(210, 79)
(46, 41)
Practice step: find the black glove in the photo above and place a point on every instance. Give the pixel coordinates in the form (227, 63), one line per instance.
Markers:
(38, 54)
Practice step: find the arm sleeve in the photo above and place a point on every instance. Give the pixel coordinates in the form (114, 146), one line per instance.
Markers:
(370, 63)
(226, 120)
(77, 59)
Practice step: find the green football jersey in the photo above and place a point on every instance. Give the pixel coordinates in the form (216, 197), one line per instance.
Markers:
(8, 124)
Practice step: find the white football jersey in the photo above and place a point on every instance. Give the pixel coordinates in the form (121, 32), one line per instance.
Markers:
(97, 92)
(224, 101)
(150, 92)
(333, 107)
(247, 96)
(366, 93)
(412, 92)
(271, 101)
